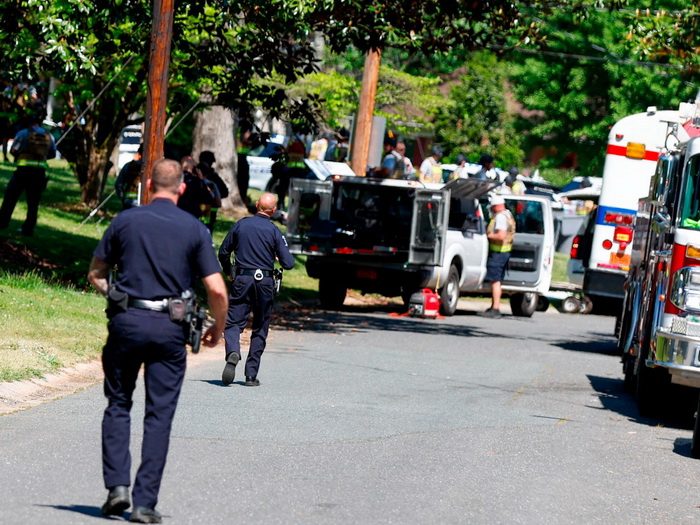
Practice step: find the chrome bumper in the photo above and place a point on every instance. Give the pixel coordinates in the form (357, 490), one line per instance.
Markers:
(680, 354)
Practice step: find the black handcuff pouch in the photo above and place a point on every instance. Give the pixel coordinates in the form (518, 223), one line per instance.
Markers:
(117, 302)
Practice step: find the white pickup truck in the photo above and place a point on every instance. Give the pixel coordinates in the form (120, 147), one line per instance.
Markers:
(394, 237)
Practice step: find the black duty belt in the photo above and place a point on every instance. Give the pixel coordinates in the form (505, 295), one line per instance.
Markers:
(160, 305)
(258, 274)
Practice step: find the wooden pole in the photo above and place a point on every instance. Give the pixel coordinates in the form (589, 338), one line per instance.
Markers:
(365, 112)
(157, 95)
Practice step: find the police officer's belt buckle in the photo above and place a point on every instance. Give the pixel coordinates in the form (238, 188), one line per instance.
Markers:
(258, 275)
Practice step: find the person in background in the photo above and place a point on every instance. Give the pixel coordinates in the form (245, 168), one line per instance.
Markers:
(430, 169)
(393, 164)
(500, 233)
(129, 180)
(409, 170)
(461, 171)
(196, 194)
(31, 148)
(486, 162)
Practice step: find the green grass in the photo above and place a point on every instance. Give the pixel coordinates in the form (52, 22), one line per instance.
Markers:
(49, 315)
(559, 267)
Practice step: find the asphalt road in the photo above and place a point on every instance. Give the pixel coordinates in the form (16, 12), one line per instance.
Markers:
(367, 418)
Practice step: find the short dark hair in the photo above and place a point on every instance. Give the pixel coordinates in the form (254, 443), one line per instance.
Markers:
(437, 150)
(390, 141)
(207, 156)
(167, 176)
(461, 158)
(485, 159)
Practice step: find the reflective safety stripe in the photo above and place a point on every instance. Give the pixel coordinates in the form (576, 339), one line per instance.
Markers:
(131, 195)
(500, 248)
(37, 163)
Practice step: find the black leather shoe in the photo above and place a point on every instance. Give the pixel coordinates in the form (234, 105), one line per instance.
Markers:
(117, 501)
(230, 368)
(145, 515)
(251, 381)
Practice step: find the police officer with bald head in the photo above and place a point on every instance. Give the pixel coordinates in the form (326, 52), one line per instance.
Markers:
(256, 244)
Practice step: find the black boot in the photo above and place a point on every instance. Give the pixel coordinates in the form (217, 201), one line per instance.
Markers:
(117, 501)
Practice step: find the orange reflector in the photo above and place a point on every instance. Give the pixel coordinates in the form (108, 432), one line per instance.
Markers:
(662, 297)
(692, 252)
(635, 150)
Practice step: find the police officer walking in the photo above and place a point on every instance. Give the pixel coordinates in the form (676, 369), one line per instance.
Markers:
(159, 250)
(256, 243)
(31, 147)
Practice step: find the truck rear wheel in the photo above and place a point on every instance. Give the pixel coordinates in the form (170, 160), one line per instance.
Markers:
(331, 293)
(523, 304)
(449, 293)
(695, 447)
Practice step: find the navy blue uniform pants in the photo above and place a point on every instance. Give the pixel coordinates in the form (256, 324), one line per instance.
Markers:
(249, 295)
(150, 338)
(29, 179)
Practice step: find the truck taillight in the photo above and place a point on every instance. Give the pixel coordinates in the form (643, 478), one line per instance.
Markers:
(618, 219)
(574, 247)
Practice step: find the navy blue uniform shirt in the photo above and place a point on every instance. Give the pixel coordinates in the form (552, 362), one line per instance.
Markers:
(256, 243)
(156, 270)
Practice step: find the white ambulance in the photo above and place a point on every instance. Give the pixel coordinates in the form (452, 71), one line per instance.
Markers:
(605, 247)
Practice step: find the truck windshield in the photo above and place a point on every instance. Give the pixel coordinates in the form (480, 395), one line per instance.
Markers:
(690, 209)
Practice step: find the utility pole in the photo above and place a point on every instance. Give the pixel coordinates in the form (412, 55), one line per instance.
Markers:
(365, 112)
(157, 95)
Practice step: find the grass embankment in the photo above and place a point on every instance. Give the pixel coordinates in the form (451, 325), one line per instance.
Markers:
(49, 316)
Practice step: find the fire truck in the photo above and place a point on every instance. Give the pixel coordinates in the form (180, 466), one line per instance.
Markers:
(659, 327)
(634, 144)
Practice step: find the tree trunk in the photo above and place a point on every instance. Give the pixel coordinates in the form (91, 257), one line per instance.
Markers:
(214, 131)
(98, 168)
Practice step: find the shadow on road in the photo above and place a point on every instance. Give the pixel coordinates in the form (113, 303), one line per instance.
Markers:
(599, 343)
(87, 510)
(348, 320)
(613, 397)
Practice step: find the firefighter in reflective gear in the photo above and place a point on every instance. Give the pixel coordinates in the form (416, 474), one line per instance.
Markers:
(31, 147)
(500, 233)
(128, 181)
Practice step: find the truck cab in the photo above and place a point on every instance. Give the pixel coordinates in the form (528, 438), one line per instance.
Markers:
(395, 237)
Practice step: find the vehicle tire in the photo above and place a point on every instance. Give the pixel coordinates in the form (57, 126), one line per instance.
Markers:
(586, 305)
(571, 305)
(331, 293)
(695, 447)
(272, 186)
(629, 384)
(653, 385)
(542, 303)
(523, 304)
(449, 293)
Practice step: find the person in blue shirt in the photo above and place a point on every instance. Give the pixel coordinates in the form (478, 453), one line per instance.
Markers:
(256, 243)
(159, 250)
(31, 148)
